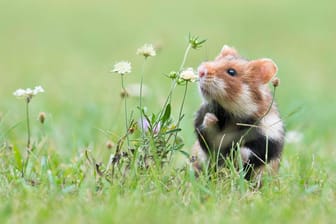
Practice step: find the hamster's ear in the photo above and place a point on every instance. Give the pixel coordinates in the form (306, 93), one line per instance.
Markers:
(263, 69)
(227, 50)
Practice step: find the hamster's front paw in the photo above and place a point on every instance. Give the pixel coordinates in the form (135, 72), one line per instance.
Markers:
(209, 120)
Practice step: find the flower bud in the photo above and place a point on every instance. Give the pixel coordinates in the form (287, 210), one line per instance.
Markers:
(109, 144)
(42, 117)
(276, 82)
(124, 93)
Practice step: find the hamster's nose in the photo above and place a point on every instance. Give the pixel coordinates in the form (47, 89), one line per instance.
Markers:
(202, 71)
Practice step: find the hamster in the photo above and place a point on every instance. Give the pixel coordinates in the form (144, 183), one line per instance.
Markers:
(237, 109)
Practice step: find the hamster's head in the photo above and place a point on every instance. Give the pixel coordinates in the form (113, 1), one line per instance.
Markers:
(237, 84)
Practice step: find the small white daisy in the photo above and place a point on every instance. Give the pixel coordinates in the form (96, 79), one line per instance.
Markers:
(146, 50)
(28, 93)
(20, 93)
(38, 89)
(188, 75)
(122, 68)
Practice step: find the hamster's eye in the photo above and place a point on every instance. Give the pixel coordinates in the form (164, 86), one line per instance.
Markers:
(231, 72)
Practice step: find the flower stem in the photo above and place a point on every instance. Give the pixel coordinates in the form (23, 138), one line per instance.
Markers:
(182, 104)
(25, 163)
(185, 56)
(125, 108)
(181, 67)
(140, 100)
(180, 113)
(28, 124)
(173, 86)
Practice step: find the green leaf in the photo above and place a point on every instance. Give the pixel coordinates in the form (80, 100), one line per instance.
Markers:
(148, 120)
(166, 114)
(18, 158)
(153, 118)
(184, 153)
(172, 131)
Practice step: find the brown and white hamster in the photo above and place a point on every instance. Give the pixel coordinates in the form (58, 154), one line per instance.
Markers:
(238, 108)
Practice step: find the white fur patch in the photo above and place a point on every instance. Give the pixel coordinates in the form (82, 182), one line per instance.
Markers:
(271, 126)
(264, 89)
(226, 138)
(245, 154)
(212, 88)
(244, 106)
(199, 153)
(219, 84)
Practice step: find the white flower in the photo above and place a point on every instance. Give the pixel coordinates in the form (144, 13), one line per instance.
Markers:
(188, 75)
(122, 67)
(146, 50)
(38, 89)
(28, 93)
(20, 93)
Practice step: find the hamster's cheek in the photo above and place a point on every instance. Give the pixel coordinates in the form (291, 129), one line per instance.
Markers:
(204, 93)
(244, 101)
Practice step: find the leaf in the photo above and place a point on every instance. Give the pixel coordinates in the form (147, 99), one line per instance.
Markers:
(148, 121)
(153, 118)
(18, 158)
(172, 131)
(166, 114)
(178, 149)
(184, 153)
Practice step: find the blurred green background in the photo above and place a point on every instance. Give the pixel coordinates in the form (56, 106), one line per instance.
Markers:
(69, 47)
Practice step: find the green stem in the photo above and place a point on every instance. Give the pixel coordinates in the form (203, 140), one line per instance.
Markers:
(28, 124)
(180, 113)
(140, 101)
(168, 100)
(182, 104)
(25, 163)
(181, 67)
(185, 56)
(125, 108)
(184, 95)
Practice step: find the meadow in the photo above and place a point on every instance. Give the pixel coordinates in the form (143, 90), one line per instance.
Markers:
(70, 47)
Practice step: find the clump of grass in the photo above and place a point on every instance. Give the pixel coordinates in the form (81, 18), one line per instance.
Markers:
(151, 142)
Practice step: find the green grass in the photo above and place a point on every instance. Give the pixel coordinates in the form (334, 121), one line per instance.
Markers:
(69, 47)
